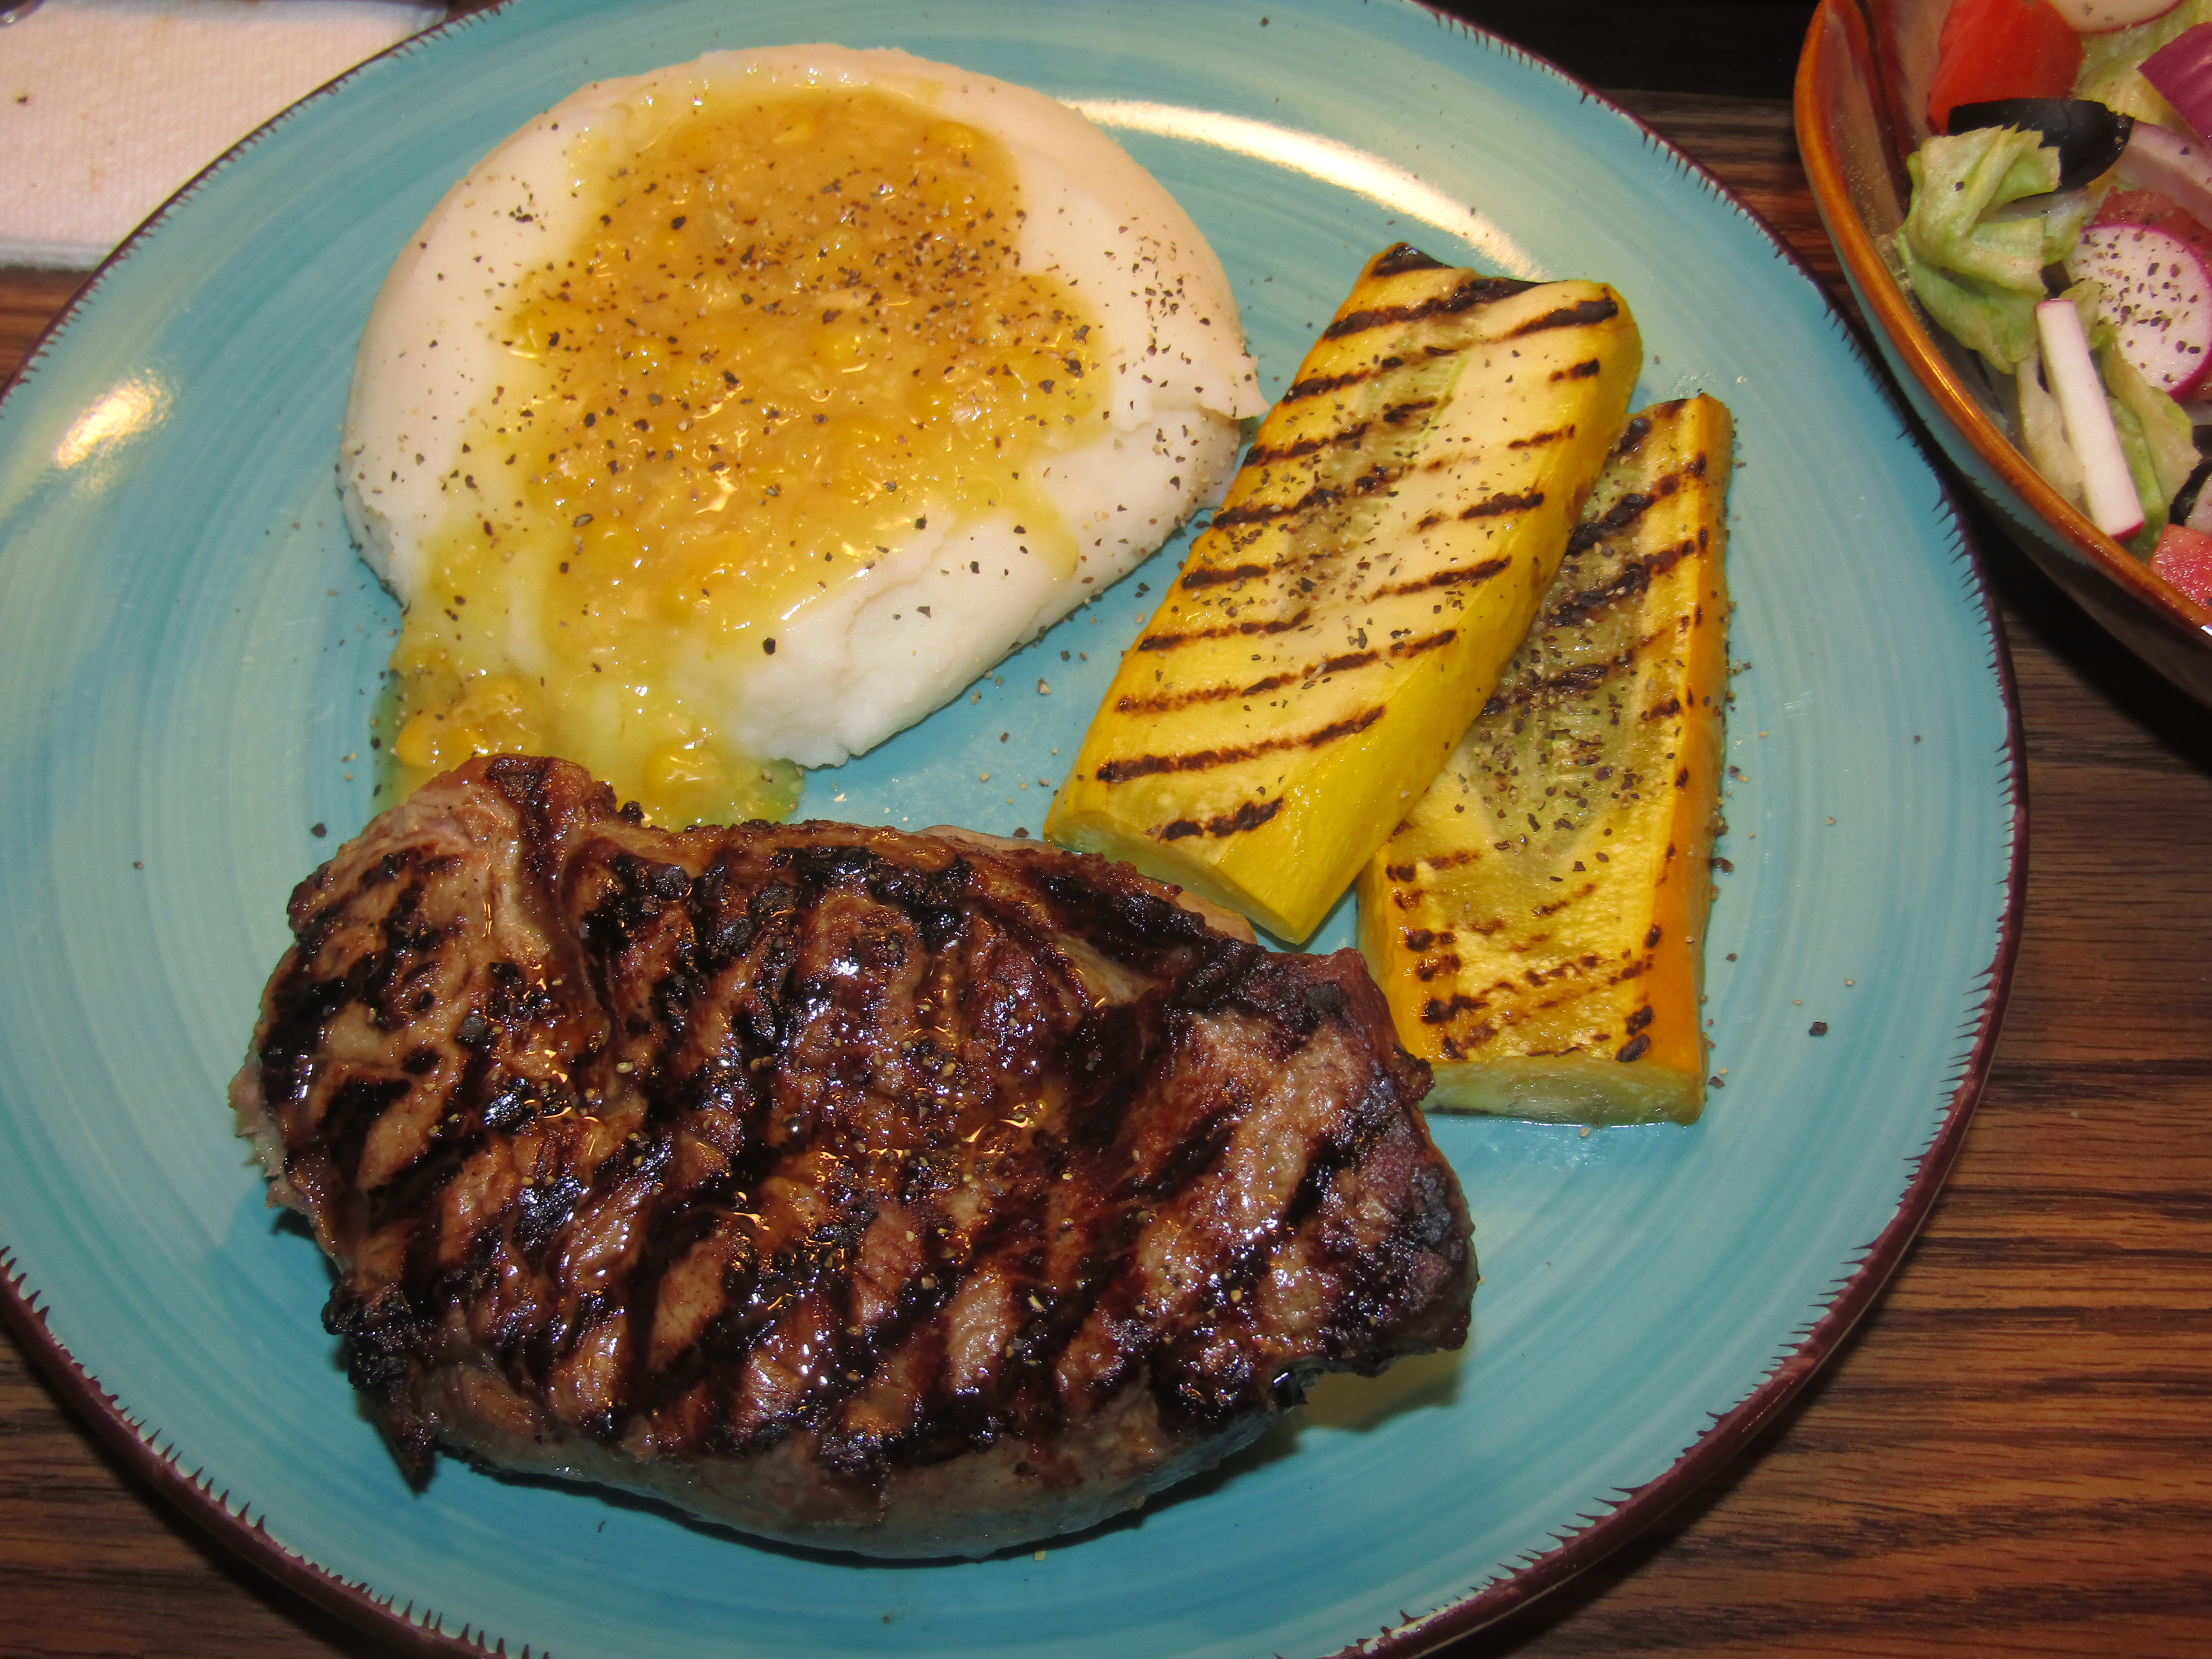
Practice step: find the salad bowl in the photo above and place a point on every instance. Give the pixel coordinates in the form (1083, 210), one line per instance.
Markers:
(1861, 110)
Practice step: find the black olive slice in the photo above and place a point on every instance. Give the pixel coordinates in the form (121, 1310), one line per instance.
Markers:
(2088, 136)
(2185, 498)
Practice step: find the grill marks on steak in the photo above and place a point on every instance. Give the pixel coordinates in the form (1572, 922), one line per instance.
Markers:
(817, 1175)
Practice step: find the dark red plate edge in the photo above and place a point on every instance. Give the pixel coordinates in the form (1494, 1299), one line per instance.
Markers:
(1635, 1512)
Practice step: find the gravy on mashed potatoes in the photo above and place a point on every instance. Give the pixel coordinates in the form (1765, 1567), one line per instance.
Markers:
(729, 418)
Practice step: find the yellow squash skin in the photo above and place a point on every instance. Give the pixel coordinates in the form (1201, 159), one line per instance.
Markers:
(1376, 561)
(1536, 922)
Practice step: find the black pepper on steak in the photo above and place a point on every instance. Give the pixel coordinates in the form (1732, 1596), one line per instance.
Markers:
(902, 1193)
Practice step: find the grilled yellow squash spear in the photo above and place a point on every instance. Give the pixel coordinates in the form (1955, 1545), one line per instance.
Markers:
(1535, 921)
(1377, 559)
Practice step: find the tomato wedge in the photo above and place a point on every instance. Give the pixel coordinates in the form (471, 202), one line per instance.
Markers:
(2183, 557)
(2001, 49)
(2160, 212)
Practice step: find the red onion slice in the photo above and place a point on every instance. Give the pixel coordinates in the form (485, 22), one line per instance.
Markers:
(2181, 70)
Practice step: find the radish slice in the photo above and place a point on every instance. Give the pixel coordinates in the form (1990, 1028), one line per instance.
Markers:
(2158, 293)
(2043, 432)
(2181, 70)
(2173, 166)
(2114, 507)
(2103, 16)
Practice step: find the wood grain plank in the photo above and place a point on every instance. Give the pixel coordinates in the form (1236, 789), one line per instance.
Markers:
(29, 300)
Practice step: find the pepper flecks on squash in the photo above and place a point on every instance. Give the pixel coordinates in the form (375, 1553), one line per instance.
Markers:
(1537, 922)
(1347, 612)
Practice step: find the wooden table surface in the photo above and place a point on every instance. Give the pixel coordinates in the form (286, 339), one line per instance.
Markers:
(2012, 1455)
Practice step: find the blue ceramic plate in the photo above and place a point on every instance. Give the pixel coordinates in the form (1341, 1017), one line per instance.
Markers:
(189, 650)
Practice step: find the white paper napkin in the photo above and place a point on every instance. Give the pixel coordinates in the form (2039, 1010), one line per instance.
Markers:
(107, 106)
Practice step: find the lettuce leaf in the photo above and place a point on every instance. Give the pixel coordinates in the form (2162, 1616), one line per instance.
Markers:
(2144, 476)
(1981, 277)
(2168, 437)
(1997, 322)
(1958, 181)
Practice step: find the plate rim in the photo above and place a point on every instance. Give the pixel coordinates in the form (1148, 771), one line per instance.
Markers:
(1639, 1508)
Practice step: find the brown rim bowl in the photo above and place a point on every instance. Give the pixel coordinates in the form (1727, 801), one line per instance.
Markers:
(1861, 84)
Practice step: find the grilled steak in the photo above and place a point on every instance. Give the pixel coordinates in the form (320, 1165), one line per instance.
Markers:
(878, 1192)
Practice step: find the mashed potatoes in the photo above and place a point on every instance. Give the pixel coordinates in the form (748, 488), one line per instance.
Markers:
(746, 411)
